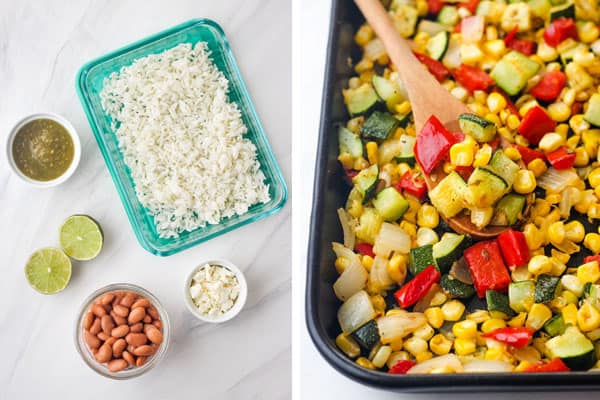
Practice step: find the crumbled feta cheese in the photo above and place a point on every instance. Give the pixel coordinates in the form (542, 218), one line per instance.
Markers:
(214, 289)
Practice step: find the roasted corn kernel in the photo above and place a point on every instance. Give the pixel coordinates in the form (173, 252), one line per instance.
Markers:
(440, 345)
(453, 310)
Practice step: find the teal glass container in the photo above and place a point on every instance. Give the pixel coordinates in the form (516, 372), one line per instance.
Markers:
(90, 80)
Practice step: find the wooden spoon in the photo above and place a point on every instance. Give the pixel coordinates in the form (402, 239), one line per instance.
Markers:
(427, 97)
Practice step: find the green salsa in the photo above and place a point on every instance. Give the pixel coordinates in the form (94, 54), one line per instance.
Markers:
(43, 149)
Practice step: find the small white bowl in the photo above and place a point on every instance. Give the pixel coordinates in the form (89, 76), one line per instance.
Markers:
(76, 149)
(237, 306)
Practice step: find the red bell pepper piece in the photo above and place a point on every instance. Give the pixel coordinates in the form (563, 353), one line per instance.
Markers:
(494, 144)
(576, 108)
(470, 5)
(435, 6)
(413, 183)
(524, 46)
(402, 367)
(563, 158)
(484, 261)
(559, 30)
(514, 336)
(514, 248)
(436, 68)
(417, 287)
(556, 365)
(464, 171)
(588, 259)
(365, 249)
(432, 144)
(528, 155)
(472, 78)
(510, 36)
(549, 88)
(535, 124)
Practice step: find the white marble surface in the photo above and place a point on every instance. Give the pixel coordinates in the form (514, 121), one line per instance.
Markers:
(42, 45)
(317, 379)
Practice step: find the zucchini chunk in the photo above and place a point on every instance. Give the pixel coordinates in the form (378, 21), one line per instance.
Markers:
(421, 258)
(448, 16)
(545, 288)
(508, 210)
(366, 181)
(407, 152)
(390, 204)
(521, 295)
(485, 188)
(513, 71)
(405, 19)
(360, 100)
(481, 129)
(367, 336)
(576, 350)
(566, 10)
(438, 44)
(555, 326)
(349, 142)
(448, 196)
(456, 288)
(449, 249)
(387, 91)
(540, 8)
(379, 125)
(497, 304)
(504, 167)
(592, 115)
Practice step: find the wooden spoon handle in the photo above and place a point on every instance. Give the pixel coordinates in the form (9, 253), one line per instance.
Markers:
(424, 91)
(397, 48)
(415, 77)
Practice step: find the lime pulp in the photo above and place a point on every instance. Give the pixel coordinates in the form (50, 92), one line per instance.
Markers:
(81, 237)
(48, 270)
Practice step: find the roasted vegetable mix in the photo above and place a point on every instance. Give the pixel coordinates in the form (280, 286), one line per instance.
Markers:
(420, 298)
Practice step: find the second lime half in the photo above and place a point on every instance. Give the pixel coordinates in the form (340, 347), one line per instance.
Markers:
(81, 237)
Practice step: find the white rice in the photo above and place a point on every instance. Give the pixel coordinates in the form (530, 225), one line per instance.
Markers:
(183, 140)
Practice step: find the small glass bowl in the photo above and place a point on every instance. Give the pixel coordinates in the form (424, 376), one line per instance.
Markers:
(129, 372)
(76, 148)
(237, 306)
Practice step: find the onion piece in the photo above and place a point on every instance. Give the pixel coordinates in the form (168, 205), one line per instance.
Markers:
(353, 279)
(349, 238)
(529, 354)
(391, 238)
(374, 49)
(460, 271)
(355, 312)
(440, 364)
(397, 326)
(395, 77)
(471, 28)
(379, 275)
(342, 251)
(556, 180)
(487, 366)
(570, 197)
(452, 58)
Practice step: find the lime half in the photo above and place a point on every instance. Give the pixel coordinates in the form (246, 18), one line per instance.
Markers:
(48, 270)
(81, 237)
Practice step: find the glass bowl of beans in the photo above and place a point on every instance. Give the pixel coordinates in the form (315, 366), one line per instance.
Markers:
(122, 331)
